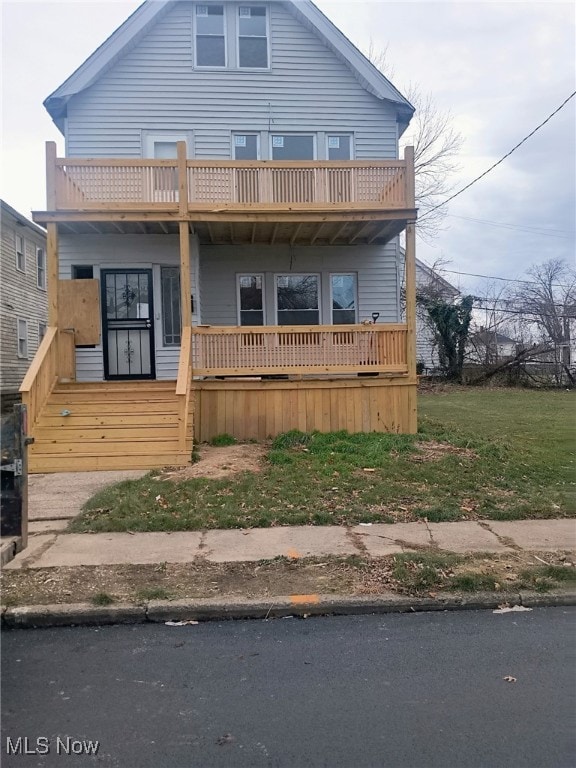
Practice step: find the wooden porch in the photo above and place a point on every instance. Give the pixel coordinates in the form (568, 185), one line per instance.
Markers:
(252, 382)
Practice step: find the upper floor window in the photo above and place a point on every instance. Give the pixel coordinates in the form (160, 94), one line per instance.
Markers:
(41, 268)
(20, 253)
(252, 37)
(22, 338)
(42, 328)
(210, 36)
(339, 147)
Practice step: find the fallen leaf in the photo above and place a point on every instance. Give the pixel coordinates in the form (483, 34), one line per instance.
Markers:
(226, 739)
(509, 679)
(511, 609)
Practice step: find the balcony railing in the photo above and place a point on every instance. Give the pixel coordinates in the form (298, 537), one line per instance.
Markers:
(195, 185)
(261, 350)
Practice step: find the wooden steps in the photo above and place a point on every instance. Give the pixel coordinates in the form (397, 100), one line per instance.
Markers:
(109, 425)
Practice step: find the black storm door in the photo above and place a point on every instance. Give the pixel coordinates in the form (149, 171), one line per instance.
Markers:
(128, 324)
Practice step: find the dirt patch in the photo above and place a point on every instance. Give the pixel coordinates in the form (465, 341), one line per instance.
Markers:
(434, 451)
(279, 577)
(220, 462)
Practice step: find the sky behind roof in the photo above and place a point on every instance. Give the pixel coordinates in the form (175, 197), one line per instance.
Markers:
(500, 68)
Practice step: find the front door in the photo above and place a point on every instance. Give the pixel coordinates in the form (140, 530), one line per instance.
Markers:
(128, 324)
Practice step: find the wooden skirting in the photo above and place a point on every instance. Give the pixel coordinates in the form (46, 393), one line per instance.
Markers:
(256, 410)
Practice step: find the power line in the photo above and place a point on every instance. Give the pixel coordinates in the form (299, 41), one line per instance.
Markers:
(503, 279)
(542, 231)
(460, 191)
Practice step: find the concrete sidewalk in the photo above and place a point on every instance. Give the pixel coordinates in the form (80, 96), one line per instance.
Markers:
(229, 546)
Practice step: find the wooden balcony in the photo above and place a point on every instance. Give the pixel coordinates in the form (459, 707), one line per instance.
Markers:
(324, 202)
(309, 350)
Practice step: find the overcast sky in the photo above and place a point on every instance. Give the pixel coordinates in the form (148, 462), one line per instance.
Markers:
(500, 68)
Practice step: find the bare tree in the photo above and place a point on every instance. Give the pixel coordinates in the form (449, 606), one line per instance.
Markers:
(436, 147)
(548, 303)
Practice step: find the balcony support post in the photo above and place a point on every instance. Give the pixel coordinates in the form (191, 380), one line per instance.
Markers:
(51, 201)
(52, 272)
(185, 284)
(410, 273)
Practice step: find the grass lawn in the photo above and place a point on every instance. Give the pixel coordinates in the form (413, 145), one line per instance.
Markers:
(479, 454)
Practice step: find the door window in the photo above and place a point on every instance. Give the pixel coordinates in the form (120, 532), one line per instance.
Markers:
(170, 284)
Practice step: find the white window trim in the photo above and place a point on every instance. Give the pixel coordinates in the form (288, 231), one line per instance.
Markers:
(318, 276)
(338, 274)
(41, 285)
(352, 153)
(225, 34)
(246, 133)
(18, 337)
(238, 305)
(238, 36)
(16, 251)
(294, 133)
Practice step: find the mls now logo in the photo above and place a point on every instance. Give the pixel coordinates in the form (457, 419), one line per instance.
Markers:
(43, 746)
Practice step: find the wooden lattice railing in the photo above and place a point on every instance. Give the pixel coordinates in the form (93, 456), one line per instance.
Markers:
(252, 351)
(108, 184)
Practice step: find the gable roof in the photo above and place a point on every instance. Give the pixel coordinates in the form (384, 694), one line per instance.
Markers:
(137, 25)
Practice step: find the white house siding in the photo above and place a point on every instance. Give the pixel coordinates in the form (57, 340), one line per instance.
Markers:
(156, 88)
(117, 252)
(375, 267)
(20, 298)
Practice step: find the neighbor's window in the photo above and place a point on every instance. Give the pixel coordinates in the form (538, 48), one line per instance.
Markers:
(42, 327)
(20, 253)
(41, 268)
(343, 299)
(210, 36)
(252, 37)
(22, 338)
(297, 299)
(251, 295)
(170, 280)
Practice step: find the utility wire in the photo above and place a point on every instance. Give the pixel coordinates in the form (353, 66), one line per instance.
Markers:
(541, 231)
(460, 191)
(504, 279)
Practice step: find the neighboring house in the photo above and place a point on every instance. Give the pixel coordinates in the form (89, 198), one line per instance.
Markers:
(225, 227)
(23, 303)
(488, 347)
(428, 282)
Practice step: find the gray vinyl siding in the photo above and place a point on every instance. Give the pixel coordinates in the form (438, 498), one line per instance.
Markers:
(375, 268)
(20, 298)
(116, 252)
(156, 88)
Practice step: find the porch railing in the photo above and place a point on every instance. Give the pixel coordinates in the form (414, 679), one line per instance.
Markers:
(255, 350)
(133, 184)
(55, 360)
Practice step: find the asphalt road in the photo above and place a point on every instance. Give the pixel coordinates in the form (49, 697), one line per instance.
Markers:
(396, 690)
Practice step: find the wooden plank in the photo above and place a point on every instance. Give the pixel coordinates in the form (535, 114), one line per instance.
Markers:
(104, 433)
(410, 277)
(49, 464)
(79, 309)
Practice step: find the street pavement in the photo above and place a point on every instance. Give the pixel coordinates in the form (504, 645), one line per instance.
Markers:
(429, 690)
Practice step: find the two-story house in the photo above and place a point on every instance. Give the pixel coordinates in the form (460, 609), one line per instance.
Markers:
(23, 301)
(223, 239)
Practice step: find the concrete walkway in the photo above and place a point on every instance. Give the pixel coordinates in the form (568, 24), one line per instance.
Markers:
(60, 549)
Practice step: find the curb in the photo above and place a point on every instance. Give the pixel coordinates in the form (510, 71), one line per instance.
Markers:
(158, 611)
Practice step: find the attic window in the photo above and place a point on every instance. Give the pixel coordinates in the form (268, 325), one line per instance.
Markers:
(210, 36)
(252, 37)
